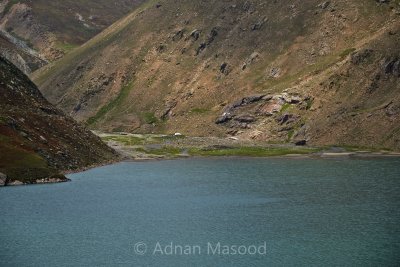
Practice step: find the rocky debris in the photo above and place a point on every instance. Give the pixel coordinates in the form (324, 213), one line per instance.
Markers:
(392, 110)
(52, 180)
(271, 112)
(210, 38)
(245, 118)
(300, 137)
(258, 25)
(253, 57)
(286, 118)
(275, 72)
(383, 1)
(195, 34)
(95, 86)
(225, 117)
(3, 179)
(224, 68)
(271, 107)
(249, 99)
(15, 183)
(324, 5)
(256, 134)
(178, 35)
(374, 83)
(166, 113)
(361, 56)
(243, 102)
(161, 48)
(271, 104)
(392, 66)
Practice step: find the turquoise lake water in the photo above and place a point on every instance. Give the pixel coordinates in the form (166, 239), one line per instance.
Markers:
(295, 212)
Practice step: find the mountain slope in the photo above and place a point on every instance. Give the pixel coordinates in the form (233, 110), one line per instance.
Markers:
(53, 28)
(258, 68)
(37, 141)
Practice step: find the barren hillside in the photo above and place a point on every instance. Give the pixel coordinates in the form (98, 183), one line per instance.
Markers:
(317, 72)
(49, 29)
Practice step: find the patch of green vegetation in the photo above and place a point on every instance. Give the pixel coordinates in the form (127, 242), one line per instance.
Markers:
(285, 107)
(164, 138)
(346, 52)
(252, 151)
(290, 135)
(199, 111)
(141, 140)
(22, 165)
(123, 94)
(163, 151)
(309, 103)
(126, 140)
(353, 148)
(66, 47)
(149, 118)
(3, 119)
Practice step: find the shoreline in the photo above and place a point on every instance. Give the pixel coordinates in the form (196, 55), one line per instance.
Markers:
(50, 180)
(145, 148)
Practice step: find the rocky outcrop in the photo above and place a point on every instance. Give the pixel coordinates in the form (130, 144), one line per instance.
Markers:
(3, 179)
(250, 112)
(210, 39)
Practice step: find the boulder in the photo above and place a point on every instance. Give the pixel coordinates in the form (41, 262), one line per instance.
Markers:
(245, 118)
(324, 5)
(224, 68)
(286, 118)
(357, 58)
(178, 35)
(275, 72)
(195, 34)
(301, 142)
(224, 118)
(16, 182)
(392, 66)
(251, 99)
(253, 57)
(3, 179)
(270, 108)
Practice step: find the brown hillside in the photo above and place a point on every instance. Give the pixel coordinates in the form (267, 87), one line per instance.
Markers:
(269, 70)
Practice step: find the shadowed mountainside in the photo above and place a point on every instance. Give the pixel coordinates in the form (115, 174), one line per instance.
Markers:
(37, 141)
(317, 72)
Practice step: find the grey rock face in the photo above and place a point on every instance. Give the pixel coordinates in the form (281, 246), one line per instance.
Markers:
(3, 179)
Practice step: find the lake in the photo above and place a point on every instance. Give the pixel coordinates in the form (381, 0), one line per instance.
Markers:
(209, 212)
